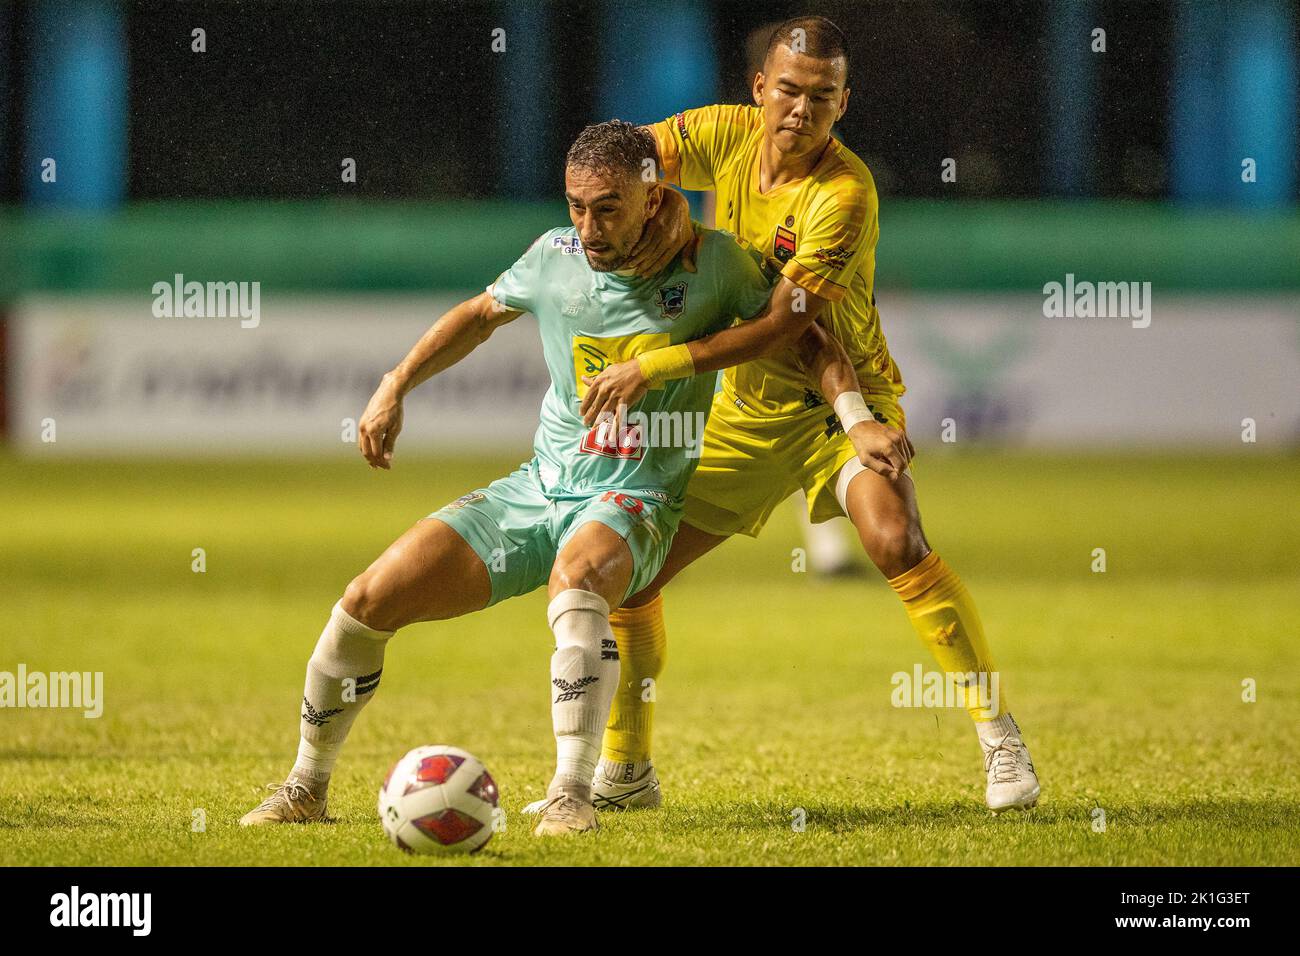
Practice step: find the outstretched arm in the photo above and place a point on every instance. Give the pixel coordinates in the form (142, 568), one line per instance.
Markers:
(790, 310)
(461, 330)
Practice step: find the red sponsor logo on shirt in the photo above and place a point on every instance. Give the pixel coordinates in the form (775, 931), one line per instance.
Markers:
(610, 442)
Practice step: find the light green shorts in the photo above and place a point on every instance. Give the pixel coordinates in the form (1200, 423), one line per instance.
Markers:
(518, 530)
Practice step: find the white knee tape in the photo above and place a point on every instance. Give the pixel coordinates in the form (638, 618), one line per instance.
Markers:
(851, 470)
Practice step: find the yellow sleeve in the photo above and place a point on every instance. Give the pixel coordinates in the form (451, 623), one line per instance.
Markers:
(840, 240)
(694, 143)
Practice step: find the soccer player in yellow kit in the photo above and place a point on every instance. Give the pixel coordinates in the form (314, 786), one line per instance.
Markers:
(788, 189)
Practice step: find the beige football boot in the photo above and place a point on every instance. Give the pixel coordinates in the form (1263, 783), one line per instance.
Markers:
(289, 802)
(565, 813)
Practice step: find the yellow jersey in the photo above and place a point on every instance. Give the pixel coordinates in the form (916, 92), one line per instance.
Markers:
(820, 232)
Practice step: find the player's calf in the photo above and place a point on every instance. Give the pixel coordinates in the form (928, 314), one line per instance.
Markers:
(885, 514)
(429, 572)
(342, 675)
(584, 669)
(590, 571)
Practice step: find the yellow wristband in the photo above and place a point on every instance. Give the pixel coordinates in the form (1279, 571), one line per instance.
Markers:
(662, 365)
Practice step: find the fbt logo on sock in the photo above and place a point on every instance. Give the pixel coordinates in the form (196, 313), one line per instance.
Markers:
(74, 908)
(947, 689)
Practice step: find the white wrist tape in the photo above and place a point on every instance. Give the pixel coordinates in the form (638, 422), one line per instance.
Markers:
(851, 407)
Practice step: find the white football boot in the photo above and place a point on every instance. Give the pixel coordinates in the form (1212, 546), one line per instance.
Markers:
(1013, 784)
(640, 793)
(289, 802)
(563, 814)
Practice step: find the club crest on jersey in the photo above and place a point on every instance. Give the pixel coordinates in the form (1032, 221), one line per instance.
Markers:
(672, 300)
(784, 244)
(569, 245)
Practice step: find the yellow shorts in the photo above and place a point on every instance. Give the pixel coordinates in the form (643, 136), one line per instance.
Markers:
(749, 465)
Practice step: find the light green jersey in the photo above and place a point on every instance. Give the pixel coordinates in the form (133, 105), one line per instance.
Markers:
(589, 320)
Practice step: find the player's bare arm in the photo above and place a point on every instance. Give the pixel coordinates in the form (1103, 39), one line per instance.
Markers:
(886, 451)
(461, 330)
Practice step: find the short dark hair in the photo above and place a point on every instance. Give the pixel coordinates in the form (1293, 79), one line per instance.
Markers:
(822, 39)
(615, 146)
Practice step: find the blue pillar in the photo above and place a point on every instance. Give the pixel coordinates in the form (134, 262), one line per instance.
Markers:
(76, 107)
(656, 58)
(1261, 98)
(1195, 137)
(1235, 95)
(525, 119)
(1072, 97)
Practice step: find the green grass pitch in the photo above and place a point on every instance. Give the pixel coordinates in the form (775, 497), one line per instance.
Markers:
(1128, 684)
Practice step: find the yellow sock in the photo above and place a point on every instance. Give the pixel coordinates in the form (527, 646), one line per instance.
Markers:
(944, 615)
(642, 648)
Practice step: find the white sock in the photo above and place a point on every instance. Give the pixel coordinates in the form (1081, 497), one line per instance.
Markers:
(342, 676)
(584, 672)
(992, 731)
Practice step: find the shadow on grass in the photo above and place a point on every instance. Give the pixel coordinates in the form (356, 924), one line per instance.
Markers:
(1257, 814)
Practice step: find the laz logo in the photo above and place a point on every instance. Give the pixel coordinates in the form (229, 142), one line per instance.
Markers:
(672, 300)
(784, 244)
(610, 442)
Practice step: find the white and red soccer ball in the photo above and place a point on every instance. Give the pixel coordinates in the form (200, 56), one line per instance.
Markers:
(438, 800)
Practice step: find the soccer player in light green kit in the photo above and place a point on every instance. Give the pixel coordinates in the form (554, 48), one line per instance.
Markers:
(591, 515)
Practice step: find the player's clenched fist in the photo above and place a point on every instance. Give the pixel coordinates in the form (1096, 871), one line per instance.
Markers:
(380, 425)
(886, 451)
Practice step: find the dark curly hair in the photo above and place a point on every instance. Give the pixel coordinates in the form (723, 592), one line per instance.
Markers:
(615, 146)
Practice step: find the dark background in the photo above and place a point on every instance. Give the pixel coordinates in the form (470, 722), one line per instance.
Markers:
(413, 92)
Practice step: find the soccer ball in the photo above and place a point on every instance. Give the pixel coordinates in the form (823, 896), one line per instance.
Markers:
(438, 800)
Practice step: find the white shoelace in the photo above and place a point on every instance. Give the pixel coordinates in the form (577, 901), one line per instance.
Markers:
(1003, 761)
(292, 791)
